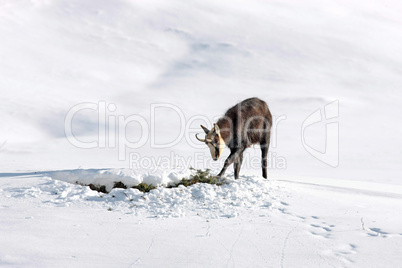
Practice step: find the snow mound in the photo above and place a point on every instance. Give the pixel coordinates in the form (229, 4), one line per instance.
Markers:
(108, 177)
(243, 196)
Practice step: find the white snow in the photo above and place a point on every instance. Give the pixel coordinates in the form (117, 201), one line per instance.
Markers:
(193, 60)
(251, 221)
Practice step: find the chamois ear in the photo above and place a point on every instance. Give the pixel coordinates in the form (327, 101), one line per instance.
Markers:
(217, 130)
(205, 129)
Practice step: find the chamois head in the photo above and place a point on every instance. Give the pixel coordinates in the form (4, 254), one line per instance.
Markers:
(214, 141)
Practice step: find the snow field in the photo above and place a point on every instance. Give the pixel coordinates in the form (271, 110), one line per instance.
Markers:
(265, 223)
(202, 57)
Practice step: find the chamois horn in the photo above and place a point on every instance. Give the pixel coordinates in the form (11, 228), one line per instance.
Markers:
(206, 140)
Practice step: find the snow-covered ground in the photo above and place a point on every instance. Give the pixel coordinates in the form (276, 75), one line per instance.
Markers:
(250, 222)
(148, 73)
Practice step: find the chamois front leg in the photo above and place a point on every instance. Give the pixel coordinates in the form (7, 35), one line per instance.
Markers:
(237, 164)
(234, 154)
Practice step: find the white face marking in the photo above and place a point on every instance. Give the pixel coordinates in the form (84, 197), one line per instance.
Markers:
(214, 141)
(216, 148)
(213, 151)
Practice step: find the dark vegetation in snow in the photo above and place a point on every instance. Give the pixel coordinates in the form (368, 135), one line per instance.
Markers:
(198, 176)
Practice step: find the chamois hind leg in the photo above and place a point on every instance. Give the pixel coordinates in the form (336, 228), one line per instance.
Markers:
(264, 154)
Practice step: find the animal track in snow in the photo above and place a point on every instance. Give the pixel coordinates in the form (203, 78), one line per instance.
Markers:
(324, 235)
(322, 227)
(345, 252)
(374, 232)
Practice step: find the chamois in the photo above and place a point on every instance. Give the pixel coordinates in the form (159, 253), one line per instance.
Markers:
(248, 122)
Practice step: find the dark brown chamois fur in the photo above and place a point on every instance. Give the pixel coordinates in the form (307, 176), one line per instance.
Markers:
(248, 122)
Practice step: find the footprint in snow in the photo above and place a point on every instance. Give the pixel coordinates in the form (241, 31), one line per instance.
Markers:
(322, 227)
(345, 252)
(377, 232)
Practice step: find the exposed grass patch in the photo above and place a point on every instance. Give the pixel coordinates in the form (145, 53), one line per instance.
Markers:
(119, 184)
(199, 176)
(99, 188)
(94, 187)
(143, 187)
